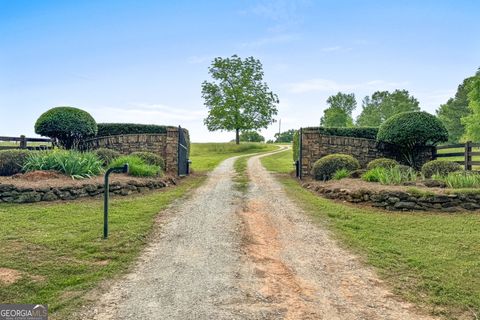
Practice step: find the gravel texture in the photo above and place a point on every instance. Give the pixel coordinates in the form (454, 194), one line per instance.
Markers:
(221, 254)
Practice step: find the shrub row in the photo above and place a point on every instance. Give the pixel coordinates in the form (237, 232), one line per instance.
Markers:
(113, 129)
(355, 132)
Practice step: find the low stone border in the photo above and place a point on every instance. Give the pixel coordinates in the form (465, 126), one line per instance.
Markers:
(401, 200)
(12, 194)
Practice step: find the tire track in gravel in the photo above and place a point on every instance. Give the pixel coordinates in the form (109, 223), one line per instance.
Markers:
(300, 271)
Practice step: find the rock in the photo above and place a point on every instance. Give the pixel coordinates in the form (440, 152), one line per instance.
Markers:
(90, 187)
(49, 196)
(430, 183)
(28, 197)
(6, 187)
(377, 197)
(379, 204)
(393, 200)
(470, 206)
(405, 205)
(12, 193)
(409, 183)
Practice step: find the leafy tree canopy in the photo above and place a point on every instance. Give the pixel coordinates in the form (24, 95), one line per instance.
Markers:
(456, 108)
(238, 98)
(383, 104)
(251, 136)
(472, 121)
(339, 112)
(286, 136)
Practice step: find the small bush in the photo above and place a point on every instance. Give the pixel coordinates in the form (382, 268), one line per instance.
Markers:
(355, 132)
(460, 179)
(113, 129)
(388, 176)
(325, 168)
(382, 163)
(12, 161)
(150, 158)
(67, 126)
(106, 155)
(439, 167)
(296, 145)
(75, 164)
(341, 174)
(136, 166)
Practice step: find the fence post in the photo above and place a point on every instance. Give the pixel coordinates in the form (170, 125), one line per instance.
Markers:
(468, 156)
(23, 142)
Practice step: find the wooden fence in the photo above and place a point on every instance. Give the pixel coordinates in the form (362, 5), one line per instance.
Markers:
(467, 153)
(22, 143)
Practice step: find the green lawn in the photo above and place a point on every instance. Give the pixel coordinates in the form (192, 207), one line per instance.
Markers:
(281, 162)
(57, 247)
(59, 250)
(206, 156)
(460, 158)
(430, 259)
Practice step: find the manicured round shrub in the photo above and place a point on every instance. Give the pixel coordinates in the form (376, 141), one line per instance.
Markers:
(136, 166)
(66, 126)
(325, 168)
(382, 163)
(12, 161)
(408, 130)
(106, 155)
(150, 158)
(439, 167)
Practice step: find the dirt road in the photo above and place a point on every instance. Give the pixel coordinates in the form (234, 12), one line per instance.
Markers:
(221, 254)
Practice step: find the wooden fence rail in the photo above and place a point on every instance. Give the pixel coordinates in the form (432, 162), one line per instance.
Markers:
(23, 143)
(467, 153)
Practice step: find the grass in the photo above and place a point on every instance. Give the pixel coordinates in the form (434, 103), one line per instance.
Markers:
(206, 156)
(460, 180)
(279, 162)
(241, 177)
(341, 174)
(460, 158)
(58, 247)
(390, 176)
(429, 259)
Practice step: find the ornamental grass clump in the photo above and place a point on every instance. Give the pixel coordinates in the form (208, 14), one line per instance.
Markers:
(390, 176)
(460, 179)
(136, 166)
(75, 164)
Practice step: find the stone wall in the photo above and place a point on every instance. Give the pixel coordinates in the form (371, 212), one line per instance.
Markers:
(163, 144)
(14, 194)
(402, 200)
(315, 146)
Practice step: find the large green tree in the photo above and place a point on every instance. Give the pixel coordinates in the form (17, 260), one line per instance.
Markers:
(339, 112)
(238, 98)
(456, 108)
(472, 121)
(286, 136)
(383, 104)
(251, 136)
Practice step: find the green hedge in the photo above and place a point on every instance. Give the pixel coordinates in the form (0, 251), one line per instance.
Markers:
(296, 145)
(355, 132)
(113, 129)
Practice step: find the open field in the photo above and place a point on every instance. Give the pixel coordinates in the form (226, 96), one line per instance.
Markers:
(429, 259)
(205, 156)
(460, 158)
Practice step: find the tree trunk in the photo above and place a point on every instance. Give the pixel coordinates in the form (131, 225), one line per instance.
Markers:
(237, 136)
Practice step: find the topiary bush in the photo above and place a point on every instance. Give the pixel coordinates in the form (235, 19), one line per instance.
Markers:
(106, 155)
(382, 163)
(66, 126)
(409, 130)
(12, 161)
(136, 166)
(150, 158)
(325, 167)
(439, 167)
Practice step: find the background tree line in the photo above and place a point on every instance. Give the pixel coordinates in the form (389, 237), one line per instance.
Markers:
(460, 114)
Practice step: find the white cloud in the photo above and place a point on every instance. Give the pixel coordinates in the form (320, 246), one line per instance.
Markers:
(326, 85)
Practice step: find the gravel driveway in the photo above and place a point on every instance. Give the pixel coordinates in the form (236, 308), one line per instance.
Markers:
(221, 254)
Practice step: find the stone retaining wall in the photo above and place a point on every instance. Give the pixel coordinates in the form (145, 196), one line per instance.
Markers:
(12, 194)
(401, 200)
(163, 144)
(316, 145)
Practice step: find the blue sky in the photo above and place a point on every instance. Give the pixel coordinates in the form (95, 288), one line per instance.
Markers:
(144, 61)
